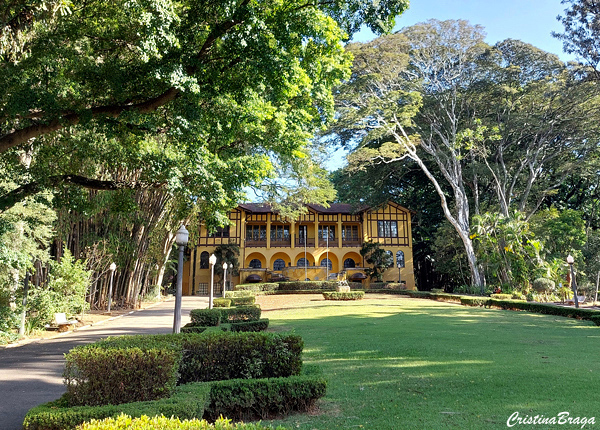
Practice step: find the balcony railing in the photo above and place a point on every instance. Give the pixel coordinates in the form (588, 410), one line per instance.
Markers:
(300, 242)
(281, 242)
(353, 242)
(333, 242)
(252, 243)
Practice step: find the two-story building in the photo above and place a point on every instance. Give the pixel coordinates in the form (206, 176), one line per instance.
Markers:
(322, 244)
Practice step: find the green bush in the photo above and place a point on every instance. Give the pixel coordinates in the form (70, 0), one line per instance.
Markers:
(240, 313)
(261, 398)
(191, 328)
(206, 317)
(474, 301)
(187, 402)
(242, 301)
(164, 423)
(307, 285)
(260, 325)
(445, 297)
(350, 295)
(419, 294)
(240, 293)
(501, 296)
(224, 355)
(99, 376)
(221, 303)
(545, 308)
(257, 288)
(543, 285)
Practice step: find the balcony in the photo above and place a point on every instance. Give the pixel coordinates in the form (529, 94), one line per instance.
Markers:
(281, 242)
(256, 243)
(300, 243)
(353, 242)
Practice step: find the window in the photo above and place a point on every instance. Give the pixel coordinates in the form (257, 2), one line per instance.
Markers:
(256, 232)
(349, 263)
(350, 232)
(303, 262)
(387, 228)
(221, 232)
(325, 230)
(326, 262)
(204, 260)
(400, 259)
(280, 232)
(391, 257)
(278, 264)
(255, 264)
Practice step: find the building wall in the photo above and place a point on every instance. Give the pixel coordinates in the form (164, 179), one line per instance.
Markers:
(389, 225)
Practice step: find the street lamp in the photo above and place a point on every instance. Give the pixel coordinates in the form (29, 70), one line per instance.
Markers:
(570, 261)
(224, 277)
(212, 260)
(112, 269)
(181, 239)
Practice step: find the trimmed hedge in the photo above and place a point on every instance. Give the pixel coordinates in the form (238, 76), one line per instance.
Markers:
(240, 293)
(257, 288)
(164, 423)
(386, 286)
(240, 313)
(474, 301)
(308, 285)
(224, 355)
(242, 301)
(501, 296)
(261, 398)
(206, 317)
(350, 295)
(544, 308)
(191, 328)
(221, 303)
(254, 326)
(445, 297)
(186, 402)
(99, 376)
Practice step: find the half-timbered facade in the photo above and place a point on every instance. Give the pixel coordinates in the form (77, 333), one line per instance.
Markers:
(324, 243)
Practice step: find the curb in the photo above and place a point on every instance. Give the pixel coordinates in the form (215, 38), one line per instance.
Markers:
(28, 341)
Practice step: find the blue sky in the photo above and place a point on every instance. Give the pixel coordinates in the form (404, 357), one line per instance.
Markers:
(531, 21)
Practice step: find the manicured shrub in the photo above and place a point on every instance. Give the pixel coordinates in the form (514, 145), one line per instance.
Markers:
(545, 308)
(260, 325)
(595, 319)
(187, 402)
(191, 328)
(445, 297)
(543, 285)
(500, 296)
(260, 287)
(240, 313)
(99, 376)
(221, 303)
(224, 355)
(350, 295)
(308, 285)
(242, 301)
(419, 294)
(206, 317)
(240, 293)
(474, 301)
(164, 423)
(260, 398)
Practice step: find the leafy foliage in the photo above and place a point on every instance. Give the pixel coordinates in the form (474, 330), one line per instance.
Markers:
(378, 258)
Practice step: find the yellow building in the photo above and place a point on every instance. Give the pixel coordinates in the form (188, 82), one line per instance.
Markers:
(323, 244)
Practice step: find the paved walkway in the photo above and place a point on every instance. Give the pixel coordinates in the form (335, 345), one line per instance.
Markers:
(31, 374)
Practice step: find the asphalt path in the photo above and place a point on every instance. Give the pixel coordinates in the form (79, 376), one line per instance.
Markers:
(31, 374)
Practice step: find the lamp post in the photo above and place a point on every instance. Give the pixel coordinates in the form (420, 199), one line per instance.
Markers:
(212, 260)
(112, 269)
(181, 239)
(224, 278)
(571, 260)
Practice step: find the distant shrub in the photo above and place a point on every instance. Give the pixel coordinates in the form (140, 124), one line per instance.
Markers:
(474, 301)
(221, 303)
(191, 328)
(445, 297)
(260, 287)
(500, 296)
(240, 293)
(308, 285)
(543, 285)
(350, 295)
(206, 317)
(240, 313)
(242, 301)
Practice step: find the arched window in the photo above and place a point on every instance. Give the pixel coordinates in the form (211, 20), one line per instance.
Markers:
(255, 264)
(391, 254)
(278, 264)
(204, 260)
(400, 259)
(326, 262)
(303, 262)
(349, 263)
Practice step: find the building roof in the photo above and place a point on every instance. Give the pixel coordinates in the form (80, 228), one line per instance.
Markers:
(256, 207)
(334, 208)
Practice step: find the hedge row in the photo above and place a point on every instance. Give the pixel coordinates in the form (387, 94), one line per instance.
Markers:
(308, 285)
(350, 295)
(385, 286)
(260, 287)
(186, 402)
(250, 326)
(164, 423)
(221, 303)
(251, 399)
(99, 376)
(213, 317)
(240, 293)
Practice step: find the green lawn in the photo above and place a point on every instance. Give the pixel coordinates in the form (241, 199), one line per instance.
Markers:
(401, 363)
